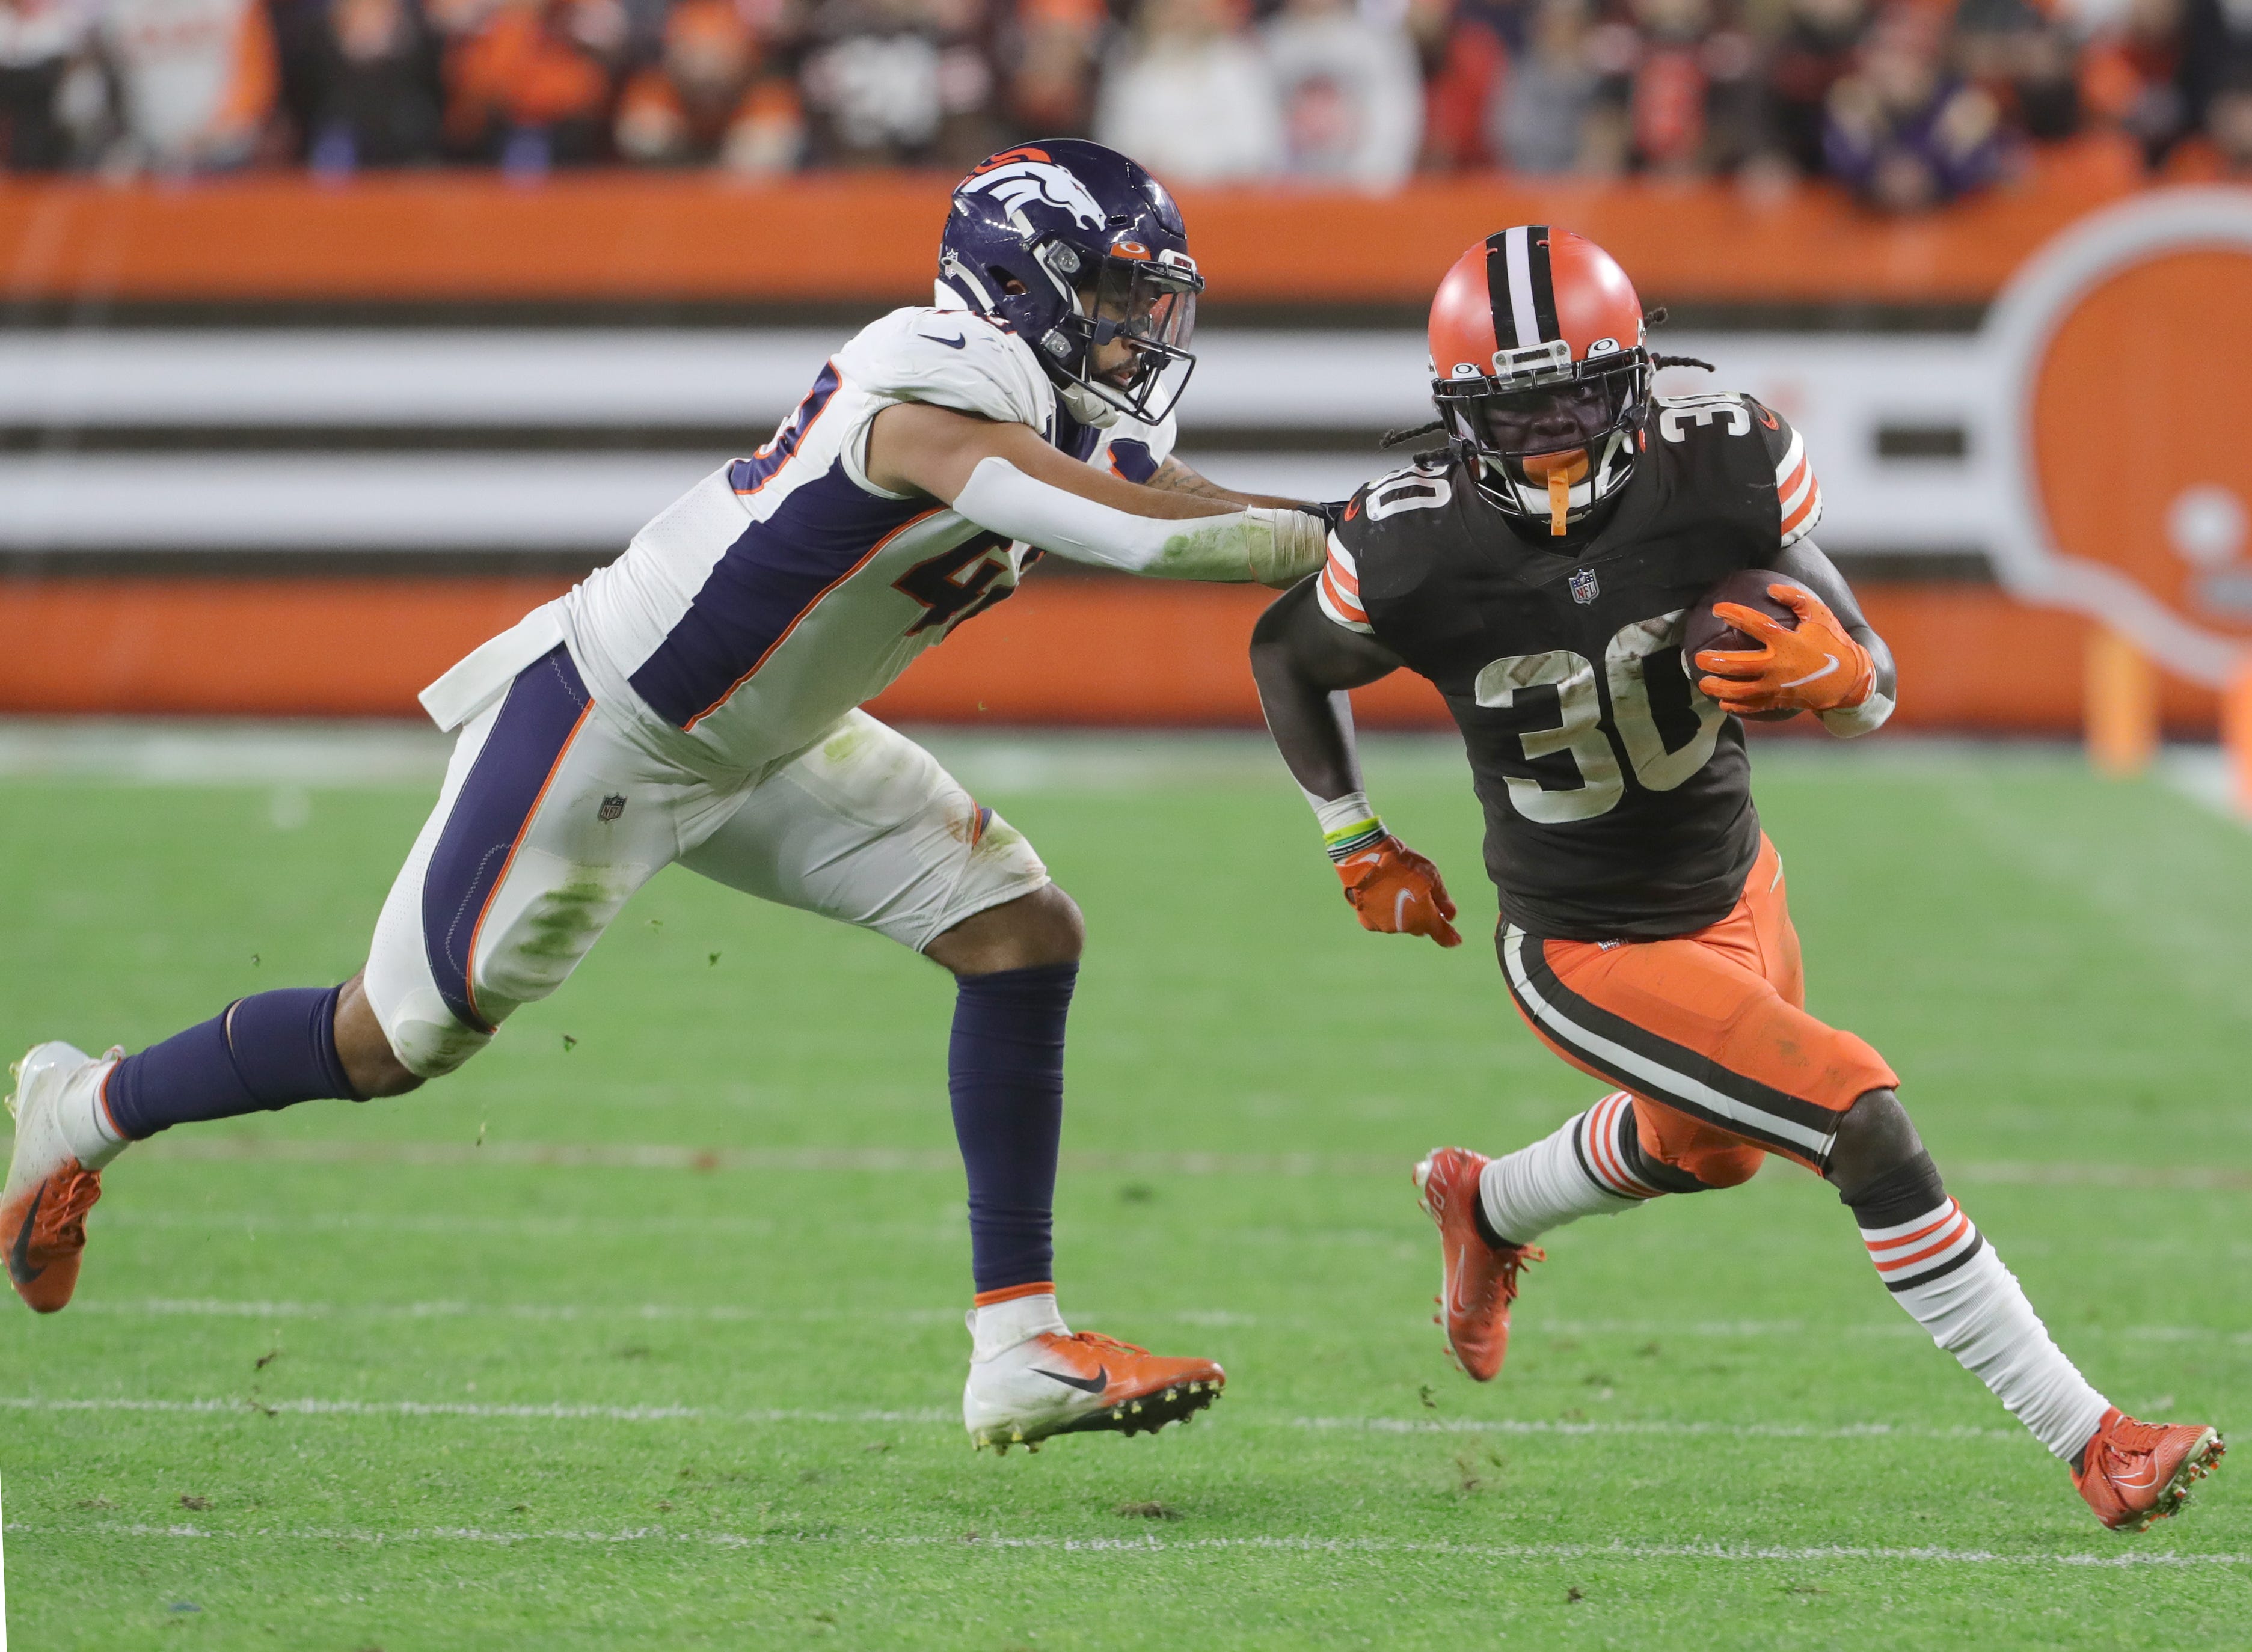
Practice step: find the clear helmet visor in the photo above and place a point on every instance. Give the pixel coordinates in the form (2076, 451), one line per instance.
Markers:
(1146, 302)
(1140, 318)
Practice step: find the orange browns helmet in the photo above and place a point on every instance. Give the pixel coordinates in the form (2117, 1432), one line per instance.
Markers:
(1538, 363)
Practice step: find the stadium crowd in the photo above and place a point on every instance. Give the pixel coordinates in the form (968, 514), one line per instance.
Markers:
(1909, 102)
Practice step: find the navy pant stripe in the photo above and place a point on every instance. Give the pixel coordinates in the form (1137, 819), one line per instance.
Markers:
(545, 707)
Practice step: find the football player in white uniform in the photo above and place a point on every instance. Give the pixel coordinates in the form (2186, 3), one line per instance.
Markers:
(697, 701)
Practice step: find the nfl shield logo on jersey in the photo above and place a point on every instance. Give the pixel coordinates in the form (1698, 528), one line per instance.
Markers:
(613, 806)
(1584, 588)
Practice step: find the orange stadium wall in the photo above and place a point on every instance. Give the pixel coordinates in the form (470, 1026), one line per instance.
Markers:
(613, 236)
(1064, 650)
(1067, 649)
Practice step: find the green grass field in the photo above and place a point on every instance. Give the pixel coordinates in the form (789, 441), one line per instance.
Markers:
(644, 1330)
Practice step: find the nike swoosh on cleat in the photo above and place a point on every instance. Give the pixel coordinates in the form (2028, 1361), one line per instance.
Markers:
(2150, 1478)
(951, 344)
(1815, 677)
(1094, 1384)
(20, 1255)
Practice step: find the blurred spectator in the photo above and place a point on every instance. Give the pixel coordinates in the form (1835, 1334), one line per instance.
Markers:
(1051, 78)
(1816, 49)
(2228, 129)
(2216, 54)
(1193, 101)
(43, 70)
(195, 81)
(1676, 91)
(1353, 99)
(2130, 76)
(1910, 108)
(531, 86)
(1904, 133)
(2023, 62)
(887, 81)
(1465, 47)
(2222, 151)
(378, 98)
(707, 101)
(1539, 117)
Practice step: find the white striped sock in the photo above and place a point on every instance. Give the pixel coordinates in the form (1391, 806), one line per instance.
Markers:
(1944, 1272)
(1573, 1173)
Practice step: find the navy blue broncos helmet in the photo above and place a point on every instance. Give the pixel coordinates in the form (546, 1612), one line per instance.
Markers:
(1095, 248)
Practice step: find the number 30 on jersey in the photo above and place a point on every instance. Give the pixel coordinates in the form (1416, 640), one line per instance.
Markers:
(1582, 732)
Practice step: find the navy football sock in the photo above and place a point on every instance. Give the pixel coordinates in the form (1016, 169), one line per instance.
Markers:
(261, 1053)
(1004, 1072)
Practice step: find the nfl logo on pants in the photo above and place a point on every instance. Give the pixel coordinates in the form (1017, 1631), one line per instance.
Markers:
(613, 806)
(1584, 588)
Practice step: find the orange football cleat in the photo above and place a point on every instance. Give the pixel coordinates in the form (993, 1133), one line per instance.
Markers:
(48, 1192)
(1067, 1384)
(2134, 1473)
(1478, 1282)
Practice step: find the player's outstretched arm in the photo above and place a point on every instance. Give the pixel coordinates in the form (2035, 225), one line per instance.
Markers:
(1304, 662)
(1006, 478)
(1833, 664)
(1173, 476)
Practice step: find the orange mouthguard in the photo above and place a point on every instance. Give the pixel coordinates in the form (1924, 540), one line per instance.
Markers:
(1560, 470)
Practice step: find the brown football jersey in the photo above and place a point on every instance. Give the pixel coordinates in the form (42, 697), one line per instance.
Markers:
(1617, 798)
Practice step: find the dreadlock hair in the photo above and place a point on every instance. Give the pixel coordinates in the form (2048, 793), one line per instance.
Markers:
(1656, 317)
(1401, 438)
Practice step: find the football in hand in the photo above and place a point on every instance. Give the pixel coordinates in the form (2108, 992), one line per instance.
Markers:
(1704, 629)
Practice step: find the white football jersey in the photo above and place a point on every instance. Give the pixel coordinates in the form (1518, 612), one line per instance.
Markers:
(786, 589)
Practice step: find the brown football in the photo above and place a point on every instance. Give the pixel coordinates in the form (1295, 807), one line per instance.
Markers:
(1704, 629)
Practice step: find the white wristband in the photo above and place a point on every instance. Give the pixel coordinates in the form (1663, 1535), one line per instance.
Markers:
(1847, 721)
(1349, 823)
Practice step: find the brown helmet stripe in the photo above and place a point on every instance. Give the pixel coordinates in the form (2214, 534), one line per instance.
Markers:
(1497, 288)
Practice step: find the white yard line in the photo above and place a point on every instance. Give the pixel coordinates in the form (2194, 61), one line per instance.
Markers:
(729, 1313)
(1670, 1429)
(343, 754)
(659, 1157)
(347, 752)
(1151, 1544)
(557, 1411)
(568, 1411)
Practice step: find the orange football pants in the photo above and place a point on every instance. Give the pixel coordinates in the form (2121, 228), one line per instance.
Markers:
(1709, 1031)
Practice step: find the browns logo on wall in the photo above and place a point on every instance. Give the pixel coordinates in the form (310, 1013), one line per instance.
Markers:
(2123, 424)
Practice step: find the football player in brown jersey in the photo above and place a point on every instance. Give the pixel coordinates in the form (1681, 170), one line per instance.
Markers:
(1538, 569)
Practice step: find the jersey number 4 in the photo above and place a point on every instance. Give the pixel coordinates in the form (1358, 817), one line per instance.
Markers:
(950, 589)
(1582, 732)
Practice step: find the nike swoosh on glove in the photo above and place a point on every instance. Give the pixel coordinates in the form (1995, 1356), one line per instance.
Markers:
(1815, 667)
(1398, 892)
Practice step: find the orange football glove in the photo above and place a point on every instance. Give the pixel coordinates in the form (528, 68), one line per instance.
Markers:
(1816, 668)
(1397, 892)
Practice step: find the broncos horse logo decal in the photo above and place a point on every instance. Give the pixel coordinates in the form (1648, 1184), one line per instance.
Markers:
(1021, 176)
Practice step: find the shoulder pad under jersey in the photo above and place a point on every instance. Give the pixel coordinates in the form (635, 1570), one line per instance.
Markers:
(950, 358)
(1380, 520)
(1725, 416)
(1134, 450)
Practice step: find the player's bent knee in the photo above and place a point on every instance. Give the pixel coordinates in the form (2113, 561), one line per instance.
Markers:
(1723, 1167)
(1875, 1138)
(1036, 930)
(424, 1041)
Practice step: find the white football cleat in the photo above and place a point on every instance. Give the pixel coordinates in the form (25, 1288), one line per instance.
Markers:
(1061, 1383)
(54, 1175)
